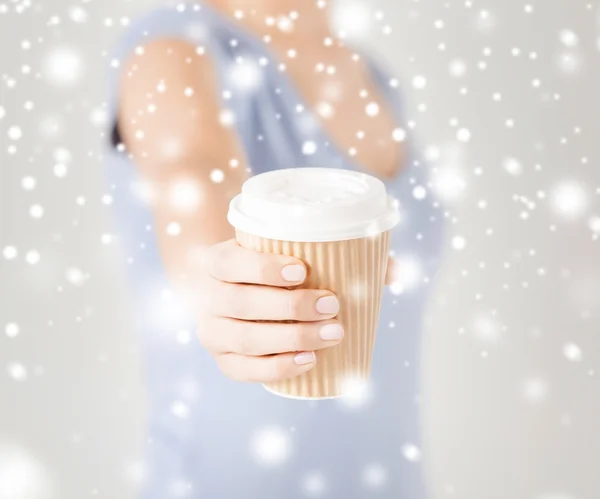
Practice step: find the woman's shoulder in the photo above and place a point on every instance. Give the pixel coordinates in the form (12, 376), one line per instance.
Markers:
(190, 23)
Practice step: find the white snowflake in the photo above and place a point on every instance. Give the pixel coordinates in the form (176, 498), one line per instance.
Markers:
(10, 252)
(459, 243)
(63, 66)
(569, 200)
(568, 38)
(271, 446)
(535, 390)
(36, 211)
(485, 21)
(180, 409)
(569, 62)
(573, 352)
(245, 75)
(513, 166)
(374, 476)
(22, 476)
(15, 133)
(419, 82)
(352, 18)
(135, 472)
(358, 393)
(594, 224)
(173, 229)
(217, 176)
(399, 134)
(457, 68)
(184, 195)
(407, 273)
(227, 118)
(32, 257)
(372, 109)
(11, 330)
(17, 371)
(314, 484)
(486, 328)
(78, 14)
(309, 148)
(411, 452)
(75, 276)
(28, 183)
(463, 135)
(60, 170)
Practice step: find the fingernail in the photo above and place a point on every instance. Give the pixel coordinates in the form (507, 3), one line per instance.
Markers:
(331, 332)
(305, 358)
(328, 305)
(294, 273)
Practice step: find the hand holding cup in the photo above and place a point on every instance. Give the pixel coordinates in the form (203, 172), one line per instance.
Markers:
(246, 319)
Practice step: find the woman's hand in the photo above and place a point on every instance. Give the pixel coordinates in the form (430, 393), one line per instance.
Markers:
(241, 287)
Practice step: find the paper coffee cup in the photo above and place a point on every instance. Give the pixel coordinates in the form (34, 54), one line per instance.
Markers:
(338, 222)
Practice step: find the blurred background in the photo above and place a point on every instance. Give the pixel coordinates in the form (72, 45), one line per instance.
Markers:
(503, 98)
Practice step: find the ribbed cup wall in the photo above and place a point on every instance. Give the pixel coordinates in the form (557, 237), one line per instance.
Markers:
(355, 271)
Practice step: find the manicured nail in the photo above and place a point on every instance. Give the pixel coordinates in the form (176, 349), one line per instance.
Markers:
(305, 358)
(331, 332)
(328, 305)
(294, 273)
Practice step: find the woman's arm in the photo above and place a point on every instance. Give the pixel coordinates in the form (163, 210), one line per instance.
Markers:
(169, 121)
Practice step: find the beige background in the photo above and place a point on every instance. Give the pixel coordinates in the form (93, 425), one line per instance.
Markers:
(508, 415)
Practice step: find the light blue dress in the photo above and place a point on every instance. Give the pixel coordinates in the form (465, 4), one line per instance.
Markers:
(210, 437)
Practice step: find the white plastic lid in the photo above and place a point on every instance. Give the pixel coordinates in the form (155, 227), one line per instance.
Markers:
(313, 205)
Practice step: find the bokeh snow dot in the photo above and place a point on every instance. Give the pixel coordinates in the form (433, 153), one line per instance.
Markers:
(459, 243)
(271, 446)
(32, 257)
(184, 195)
(357, 393)
(63, 67)
(217, 176)
(419, 82)
(374, 476)
(309, 148)
(75, 276)
(568, 38)
(14, 133)
(535, 390)
(11, 330)
(411, 452)
(245, 76)
(10, 252)
(78, 14)
(17, 372)
(372, 109)
(569, 200)
(36, 211)
(463, 135)
(457, 68)
(314, 484)
(512, 166)
(573, 352)
(352, 18)
(21, 475)
(28, 183)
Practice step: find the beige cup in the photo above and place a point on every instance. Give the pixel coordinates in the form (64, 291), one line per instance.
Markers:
(338, 222)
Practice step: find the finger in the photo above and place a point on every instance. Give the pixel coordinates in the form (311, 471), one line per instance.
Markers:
(250, 302)
(223, 335)
(266, 369)
(230, 262)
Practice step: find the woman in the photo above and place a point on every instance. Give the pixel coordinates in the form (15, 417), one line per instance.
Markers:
(204, 95)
